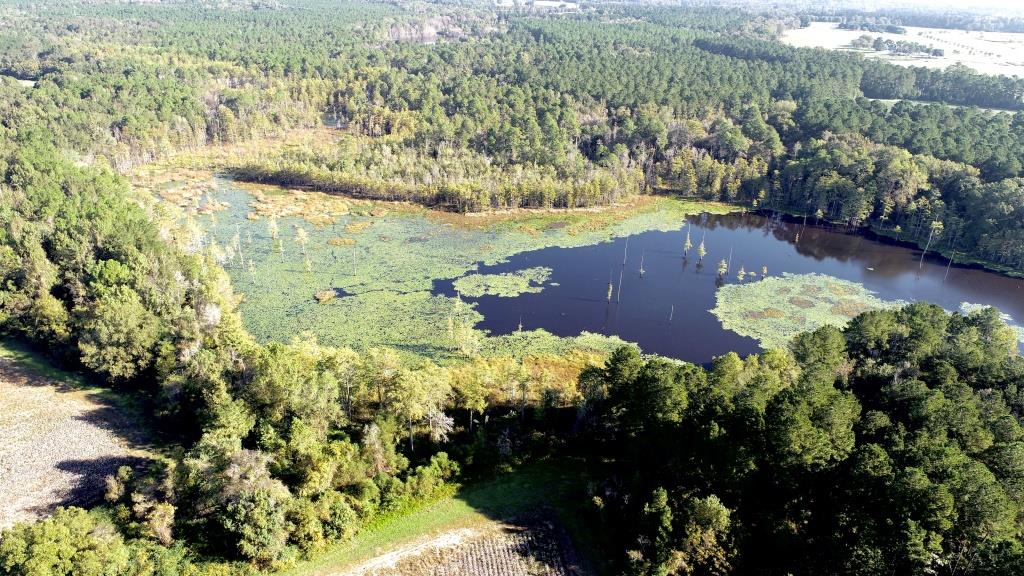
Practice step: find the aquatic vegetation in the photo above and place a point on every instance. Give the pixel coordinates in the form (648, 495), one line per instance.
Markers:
(357, 227)
(382, 259)
(808, 301)
(507, 285)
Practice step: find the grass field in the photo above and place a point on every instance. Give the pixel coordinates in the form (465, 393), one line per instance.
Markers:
(985, 52)
(520, 498)
(61, 437)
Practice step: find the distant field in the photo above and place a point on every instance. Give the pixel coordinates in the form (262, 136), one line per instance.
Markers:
(986, 52)
(889, 102)
(20, 82)
(60, 438)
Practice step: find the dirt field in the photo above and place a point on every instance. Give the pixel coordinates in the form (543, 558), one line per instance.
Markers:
(986, 52)
(58, 441)
(536, 549)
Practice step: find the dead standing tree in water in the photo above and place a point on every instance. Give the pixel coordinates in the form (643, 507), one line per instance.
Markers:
(275, 232)
(936, 229)
(301, 238)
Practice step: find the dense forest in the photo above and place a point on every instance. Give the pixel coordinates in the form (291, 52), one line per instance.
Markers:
(894, 19)
(894, 446)
(890, 447)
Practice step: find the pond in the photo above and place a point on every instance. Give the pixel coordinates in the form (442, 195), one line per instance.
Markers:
(442, 286)
(668, 308)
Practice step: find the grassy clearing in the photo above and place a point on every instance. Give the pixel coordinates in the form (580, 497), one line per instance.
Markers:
(130, 406)
(773, 310)
(516, 496)
(20, 354)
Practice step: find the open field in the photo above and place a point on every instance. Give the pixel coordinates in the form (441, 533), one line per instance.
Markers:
(985, 52)
(890, 102)
(535, 508)
(60, 438)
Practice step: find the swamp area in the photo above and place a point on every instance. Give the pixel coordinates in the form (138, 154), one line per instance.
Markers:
(442, 286)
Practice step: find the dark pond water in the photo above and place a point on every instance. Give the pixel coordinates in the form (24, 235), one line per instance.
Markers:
(575, 299)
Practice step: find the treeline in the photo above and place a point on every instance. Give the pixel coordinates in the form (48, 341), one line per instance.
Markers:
(965, 19)
(848, 179)
(955, 84)
(124, 112)
(893, 446)
(845, 178)
(872, 27)
(186, 75)
(450, 178)
(200, 75)
(937, 203)
(904, 47)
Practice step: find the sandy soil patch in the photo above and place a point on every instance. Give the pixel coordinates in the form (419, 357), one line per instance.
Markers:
(58, 444)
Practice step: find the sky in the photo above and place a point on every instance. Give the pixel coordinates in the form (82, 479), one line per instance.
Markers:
(992, 7)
